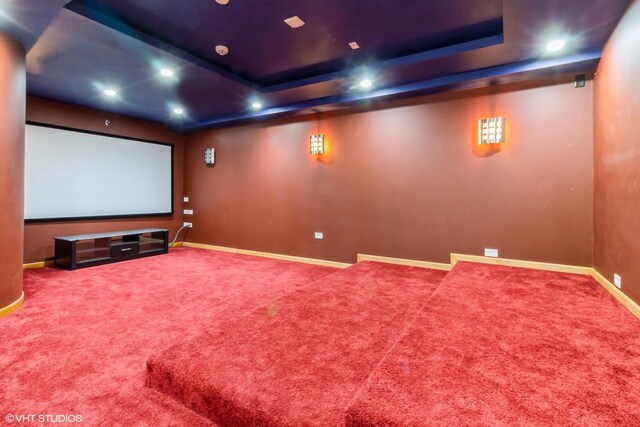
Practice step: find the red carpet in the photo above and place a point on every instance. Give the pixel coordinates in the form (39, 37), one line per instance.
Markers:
(301, 359)
(80, 342)
(499, 346)
(253, 341)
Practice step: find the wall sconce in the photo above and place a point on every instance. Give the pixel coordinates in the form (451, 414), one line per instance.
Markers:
(317, 144)
(209, 156)
(491, 130)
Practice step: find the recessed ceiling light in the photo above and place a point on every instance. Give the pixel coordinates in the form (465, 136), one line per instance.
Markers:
(365, 83)
(256, 105)
(166, 72)
(178, 111)
(110, 92)
(354, 45)
(294, 22)
(222, 2)
(555, 45)
(222, 50)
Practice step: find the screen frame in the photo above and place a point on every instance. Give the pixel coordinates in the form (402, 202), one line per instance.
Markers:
(106, 217)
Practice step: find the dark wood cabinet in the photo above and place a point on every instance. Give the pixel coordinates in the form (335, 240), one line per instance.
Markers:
(87, 250)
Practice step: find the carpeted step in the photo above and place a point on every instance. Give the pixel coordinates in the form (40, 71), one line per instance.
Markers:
(511, 347)
(301, 359)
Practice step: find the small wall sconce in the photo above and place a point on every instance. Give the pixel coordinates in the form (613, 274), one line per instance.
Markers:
(491, 130)
(317, 144)
(209, 156)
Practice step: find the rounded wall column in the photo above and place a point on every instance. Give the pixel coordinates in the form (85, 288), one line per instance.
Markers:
(12, 127)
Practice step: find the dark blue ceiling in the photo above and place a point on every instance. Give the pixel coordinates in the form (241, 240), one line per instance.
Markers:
(77, 49)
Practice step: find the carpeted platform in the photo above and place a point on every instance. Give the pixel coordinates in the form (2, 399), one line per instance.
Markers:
(500, 346)
(301, 359)
(79, 344)
(372, 345)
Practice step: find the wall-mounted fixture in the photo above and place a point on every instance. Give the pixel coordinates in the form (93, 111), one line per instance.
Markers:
(209, 156)
(317, 144)
(491, 130)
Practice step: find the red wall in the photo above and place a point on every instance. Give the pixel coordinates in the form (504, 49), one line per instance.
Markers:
(38, 237)
(12, 94)
(617, 156)
(407, 180)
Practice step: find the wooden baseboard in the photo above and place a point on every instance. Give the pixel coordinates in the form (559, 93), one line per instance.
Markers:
(479, 259)
(630, 304)
(407, 262)
(5, 311)
(176, 245)
(560, 268)
(268, 255)
(40, 264)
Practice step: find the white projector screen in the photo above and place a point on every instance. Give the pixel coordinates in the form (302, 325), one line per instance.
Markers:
(77, 175)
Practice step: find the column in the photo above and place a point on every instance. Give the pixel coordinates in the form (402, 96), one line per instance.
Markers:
(12, 124)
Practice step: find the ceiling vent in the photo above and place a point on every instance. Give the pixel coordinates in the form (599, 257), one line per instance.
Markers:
(294, 22)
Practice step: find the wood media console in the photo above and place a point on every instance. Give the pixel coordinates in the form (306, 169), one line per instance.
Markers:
(87, 250)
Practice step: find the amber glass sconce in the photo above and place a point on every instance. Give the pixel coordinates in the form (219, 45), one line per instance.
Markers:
(317, 144)
(491, 130)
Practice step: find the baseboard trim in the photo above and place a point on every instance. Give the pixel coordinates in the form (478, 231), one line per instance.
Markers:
(407, 262)
(176, 245)
(560, 268)
(629, 304)
(5, 311)
(39, 264)
(322, 262)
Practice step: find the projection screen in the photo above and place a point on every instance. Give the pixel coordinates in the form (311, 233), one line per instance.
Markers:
(77, 175)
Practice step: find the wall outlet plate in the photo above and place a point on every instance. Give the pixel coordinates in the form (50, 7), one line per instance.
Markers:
(188, 211)
(493, 253)
(185, 199)
(318, 235)
(617, 281)
(187, 224)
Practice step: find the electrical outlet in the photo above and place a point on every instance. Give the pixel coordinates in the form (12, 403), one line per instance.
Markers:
(185, 199)
(188, 211)
(187, 224)
(617, 281)
(318, 236)
(491, 253)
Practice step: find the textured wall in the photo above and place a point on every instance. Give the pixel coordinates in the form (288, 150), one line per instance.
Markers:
(617, 156)
(406, 180)
(38, 237)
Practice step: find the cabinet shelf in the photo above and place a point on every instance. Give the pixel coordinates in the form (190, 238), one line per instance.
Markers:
(93, 260)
